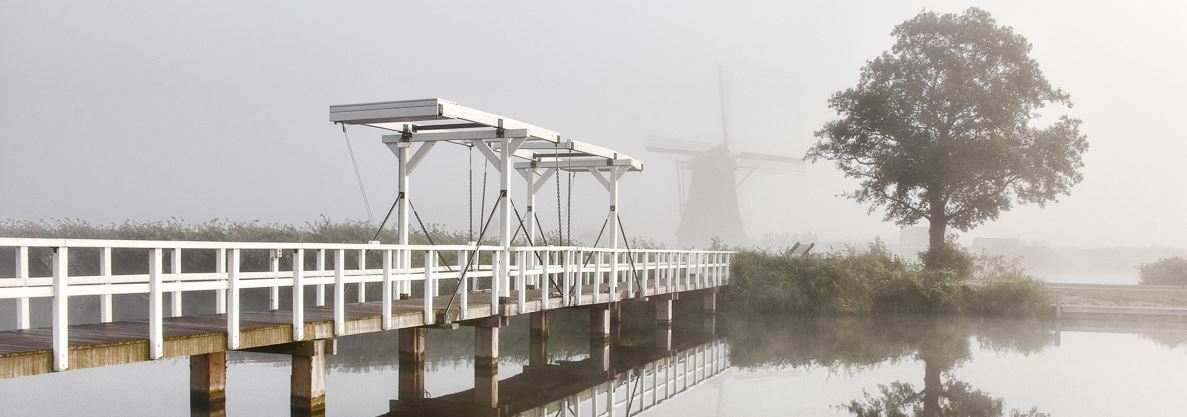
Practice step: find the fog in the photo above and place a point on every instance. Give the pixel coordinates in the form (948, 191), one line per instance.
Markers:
(149, 111)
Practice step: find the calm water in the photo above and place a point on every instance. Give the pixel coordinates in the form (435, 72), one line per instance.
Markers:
(783, 366)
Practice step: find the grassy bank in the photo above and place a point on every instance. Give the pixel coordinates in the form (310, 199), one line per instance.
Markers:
(858, 282)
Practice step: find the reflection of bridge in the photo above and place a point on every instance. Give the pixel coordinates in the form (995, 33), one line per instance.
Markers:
(490, 282)
(612, 381)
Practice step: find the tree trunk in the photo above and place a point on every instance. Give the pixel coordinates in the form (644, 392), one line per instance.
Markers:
(932, 387)
(936, 230)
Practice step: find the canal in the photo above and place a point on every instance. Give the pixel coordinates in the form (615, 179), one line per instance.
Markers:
(912, 366)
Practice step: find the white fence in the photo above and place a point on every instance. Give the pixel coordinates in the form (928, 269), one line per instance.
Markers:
(571, 270)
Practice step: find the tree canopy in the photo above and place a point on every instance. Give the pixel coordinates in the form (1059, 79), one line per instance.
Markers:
(942, 126)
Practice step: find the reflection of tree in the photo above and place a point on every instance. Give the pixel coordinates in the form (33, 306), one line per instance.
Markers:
(941, 344)
(952, 399)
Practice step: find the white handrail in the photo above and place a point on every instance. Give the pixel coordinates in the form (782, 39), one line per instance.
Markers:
(568, 266)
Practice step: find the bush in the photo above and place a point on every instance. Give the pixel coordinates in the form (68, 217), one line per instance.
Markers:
(875, 280)
(1015, 297)
(1166, 271)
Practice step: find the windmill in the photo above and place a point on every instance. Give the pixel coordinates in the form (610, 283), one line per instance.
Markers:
(710, 207)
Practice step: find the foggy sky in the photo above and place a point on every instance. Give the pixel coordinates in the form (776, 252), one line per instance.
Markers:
(113, 111)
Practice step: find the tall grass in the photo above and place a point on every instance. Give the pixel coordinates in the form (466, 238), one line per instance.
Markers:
(874, 280)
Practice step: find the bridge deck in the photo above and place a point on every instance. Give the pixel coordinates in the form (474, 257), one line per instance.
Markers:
(29, 352)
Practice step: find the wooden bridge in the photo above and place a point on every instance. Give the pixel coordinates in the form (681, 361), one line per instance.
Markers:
(418, 286)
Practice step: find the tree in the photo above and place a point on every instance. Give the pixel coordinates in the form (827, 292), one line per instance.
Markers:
(940, 127)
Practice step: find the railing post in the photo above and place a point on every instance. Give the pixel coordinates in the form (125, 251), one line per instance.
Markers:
(597, 280)
(339, 292)
(362, 269)
(220, 295)
(521, 266)
(233, 300)
(463, 259)
(298, 295)
(22, 273)
(320, 297)
(646, 272)
(386, 312)
(61, 322)
(496, 287)
(155, 326)
(430, 283)
(175, 269)
(274, 292)
(545, 281)
(105, 271)
(687, 271)
(614, 276)
(566, 275)
(579, 278)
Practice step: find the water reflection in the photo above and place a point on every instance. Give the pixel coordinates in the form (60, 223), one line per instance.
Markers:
(897, 366)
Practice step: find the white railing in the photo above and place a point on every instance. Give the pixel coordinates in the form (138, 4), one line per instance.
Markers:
(568, 270)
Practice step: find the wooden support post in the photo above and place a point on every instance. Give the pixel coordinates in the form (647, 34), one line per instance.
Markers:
(307, 395)
(538, 339)
(412, 364)
(208, 382)
(486, 364)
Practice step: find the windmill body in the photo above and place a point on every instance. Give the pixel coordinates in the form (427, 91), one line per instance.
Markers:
(711, 210)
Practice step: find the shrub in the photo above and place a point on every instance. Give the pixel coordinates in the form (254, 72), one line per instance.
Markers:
(1014, 297)
(1166, 271)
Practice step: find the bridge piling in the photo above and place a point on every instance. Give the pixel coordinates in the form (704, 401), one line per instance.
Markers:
(538, 339)
(411, 364)
(208, 382)
(307, 389)
(486, 363)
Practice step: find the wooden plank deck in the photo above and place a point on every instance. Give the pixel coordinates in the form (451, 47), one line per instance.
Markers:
(29, 352)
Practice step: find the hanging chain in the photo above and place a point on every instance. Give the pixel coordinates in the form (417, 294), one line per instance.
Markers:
(556, 148)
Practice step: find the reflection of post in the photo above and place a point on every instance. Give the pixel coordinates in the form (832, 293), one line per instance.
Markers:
(538, 339)
(710, 301)
(709, 325)
(412, 365)
(663, 338)
(308, 383)
(208, 380)
(599, 354)
(486, 363)
(599, 323)
(663, 312)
